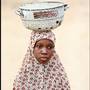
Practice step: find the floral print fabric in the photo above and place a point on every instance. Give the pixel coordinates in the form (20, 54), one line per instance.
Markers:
(36, 76)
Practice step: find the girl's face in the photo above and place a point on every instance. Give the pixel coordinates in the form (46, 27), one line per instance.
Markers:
(43, 50)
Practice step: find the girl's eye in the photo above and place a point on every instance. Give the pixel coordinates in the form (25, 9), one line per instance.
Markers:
(50, 47)
(39, 46)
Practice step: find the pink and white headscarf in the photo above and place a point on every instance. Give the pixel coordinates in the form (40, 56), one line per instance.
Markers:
(36, 76)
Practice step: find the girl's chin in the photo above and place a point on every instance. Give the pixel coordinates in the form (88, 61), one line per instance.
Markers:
(43, 60)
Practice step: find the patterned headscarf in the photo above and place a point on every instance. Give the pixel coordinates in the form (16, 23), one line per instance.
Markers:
(36, 76)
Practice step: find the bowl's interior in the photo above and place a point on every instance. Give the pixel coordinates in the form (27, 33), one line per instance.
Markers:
(41, 5)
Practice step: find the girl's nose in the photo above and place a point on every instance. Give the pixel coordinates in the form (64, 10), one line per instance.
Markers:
(44, 50)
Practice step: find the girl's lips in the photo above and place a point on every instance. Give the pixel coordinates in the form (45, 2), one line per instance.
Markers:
(44, 58)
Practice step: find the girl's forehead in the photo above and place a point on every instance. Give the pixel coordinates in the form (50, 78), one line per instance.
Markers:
(45, 42)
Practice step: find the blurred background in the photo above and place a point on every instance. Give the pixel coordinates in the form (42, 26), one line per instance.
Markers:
(72, 42)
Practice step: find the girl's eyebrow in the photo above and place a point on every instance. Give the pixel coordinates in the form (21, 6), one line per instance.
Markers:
(51, 45)
(40, 43)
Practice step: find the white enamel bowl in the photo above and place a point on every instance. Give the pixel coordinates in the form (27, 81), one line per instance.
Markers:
(42, 16)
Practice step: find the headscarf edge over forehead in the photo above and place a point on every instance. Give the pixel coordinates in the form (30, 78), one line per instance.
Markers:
(36, 36)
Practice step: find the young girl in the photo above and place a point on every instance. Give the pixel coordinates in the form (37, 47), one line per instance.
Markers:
(41, 68)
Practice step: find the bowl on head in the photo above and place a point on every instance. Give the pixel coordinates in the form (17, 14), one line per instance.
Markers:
(42, 16)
